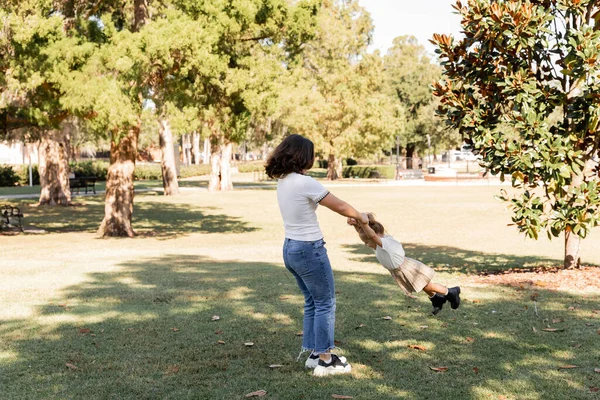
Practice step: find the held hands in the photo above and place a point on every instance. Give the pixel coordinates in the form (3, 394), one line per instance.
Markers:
(364, 219)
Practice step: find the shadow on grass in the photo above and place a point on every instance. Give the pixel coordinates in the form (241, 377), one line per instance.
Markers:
(149, 330)
(159, 219)
(453, 259)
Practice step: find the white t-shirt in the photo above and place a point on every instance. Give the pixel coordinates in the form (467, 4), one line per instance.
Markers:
(391, 253)
(298, 197)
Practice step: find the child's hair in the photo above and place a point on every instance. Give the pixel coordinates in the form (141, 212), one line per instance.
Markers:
(373, 224)
(294, 154)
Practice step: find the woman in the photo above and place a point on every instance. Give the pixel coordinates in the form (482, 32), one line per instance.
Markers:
(304, 252)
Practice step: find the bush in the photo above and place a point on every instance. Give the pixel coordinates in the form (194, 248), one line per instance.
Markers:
(99, 169)
(369, 171)
(154, 171)
(252, 167)
(187, 171)
(8, 176)
(22, 172)
(351, 161)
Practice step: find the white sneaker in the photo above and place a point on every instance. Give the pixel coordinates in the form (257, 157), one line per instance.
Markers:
(313, 360)
(333, 367)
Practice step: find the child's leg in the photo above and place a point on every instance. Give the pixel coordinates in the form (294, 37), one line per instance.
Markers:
(432, 288)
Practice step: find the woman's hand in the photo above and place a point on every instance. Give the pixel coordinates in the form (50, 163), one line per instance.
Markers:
(351, 221)
(364, 218)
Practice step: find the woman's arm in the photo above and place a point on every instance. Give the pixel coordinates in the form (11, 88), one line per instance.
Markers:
(341, 207)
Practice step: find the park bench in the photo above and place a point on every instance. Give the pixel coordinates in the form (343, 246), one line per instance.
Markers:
(10, 217)
(83, 182)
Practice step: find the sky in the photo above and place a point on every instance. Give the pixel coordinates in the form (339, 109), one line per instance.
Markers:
(420, 18)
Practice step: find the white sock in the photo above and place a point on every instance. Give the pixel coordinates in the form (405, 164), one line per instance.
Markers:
(327, 361)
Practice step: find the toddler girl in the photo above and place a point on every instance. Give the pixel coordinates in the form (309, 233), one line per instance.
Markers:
(411, 275)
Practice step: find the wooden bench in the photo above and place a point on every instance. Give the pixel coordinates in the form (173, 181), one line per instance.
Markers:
(10, 217)
(83, 182)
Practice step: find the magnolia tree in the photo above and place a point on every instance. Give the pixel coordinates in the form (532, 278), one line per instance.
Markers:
(523, 89)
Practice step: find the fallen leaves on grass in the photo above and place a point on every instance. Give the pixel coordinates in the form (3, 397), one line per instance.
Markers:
(469, 339)
(597, 370)
(552, 330)
(387, 318)
(341, 396)
(568, 366)
(71, 366)
(218, 332)
(85, 330)
(557, 320)
(596, 311)
(172, 370)
(424, 327)
(215, 318)
(439, 369)
(273, 366)
(594, 389)
(221, 342)
(578, 345)
(175, 329)
(249, 344)
(476, 370)
(258, 393)
(417, 347)
(533, 329)
(360, 326)
(300, 333)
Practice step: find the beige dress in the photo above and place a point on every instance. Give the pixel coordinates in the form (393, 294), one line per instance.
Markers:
(411, 275)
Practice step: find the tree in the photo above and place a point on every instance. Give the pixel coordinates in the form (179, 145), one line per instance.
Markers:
(408, 73)
(335, 98)
(30, 100)
(523, 89)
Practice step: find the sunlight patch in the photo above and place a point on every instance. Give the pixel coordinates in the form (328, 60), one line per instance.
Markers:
(360, 371)
(8, 356)
(238, 293)
(59, 319)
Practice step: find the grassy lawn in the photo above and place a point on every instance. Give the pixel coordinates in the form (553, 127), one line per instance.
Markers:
(84, 317)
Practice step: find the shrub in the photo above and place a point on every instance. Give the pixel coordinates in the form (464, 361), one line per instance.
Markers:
(252, 167)
(351, 161)
(99, 169)
(8, 176)
(369, 171)
(22, 172)
(187, 171)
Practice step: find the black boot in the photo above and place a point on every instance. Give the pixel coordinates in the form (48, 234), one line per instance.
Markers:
(453, 297)
(438, 302)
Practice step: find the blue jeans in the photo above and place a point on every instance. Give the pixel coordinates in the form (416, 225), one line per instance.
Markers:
(309, 263)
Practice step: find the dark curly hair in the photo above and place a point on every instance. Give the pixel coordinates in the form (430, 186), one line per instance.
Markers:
(294, 154)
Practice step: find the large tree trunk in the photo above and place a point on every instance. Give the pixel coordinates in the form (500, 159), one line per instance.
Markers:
(572, 242)
(168, 167)
(54, 167)
(196, 147)
(332, 167)
(214, 181)
(206, 151)
(226, 152)
(118, 204)
(184, 153)
(410, 150)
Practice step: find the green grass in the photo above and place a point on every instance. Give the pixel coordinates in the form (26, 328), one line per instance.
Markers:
(132, 317)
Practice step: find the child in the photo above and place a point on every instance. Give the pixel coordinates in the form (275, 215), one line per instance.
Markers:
(411, 275)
